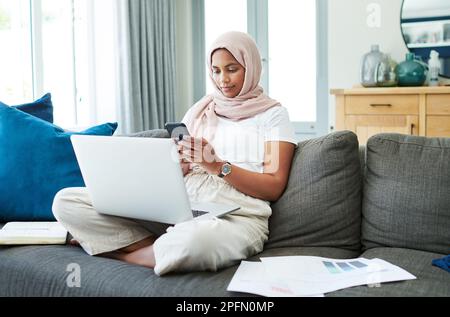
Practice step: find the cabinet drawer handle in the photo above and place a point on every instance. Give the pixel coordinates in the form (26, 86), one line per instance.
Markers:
(381, 105)
(412, 128)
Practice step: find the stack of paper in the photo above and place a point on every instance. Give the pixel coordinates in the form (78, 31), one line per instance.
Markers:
(311, 276)
(24, 233)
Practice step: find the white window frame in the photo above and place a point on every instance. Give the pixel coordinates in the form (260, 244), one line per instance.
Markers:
(38, 60)
(36, 47)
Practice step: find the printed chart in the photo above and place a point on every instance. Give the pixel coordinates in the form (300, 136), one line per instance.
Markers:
(342, 267)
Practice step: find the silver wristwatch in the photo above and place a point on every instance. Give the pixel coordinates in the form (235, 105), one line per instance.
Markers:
(226, 170)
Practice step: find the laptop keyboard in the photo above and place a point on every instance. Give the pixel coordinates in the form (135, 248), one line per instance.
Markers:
(198, 213)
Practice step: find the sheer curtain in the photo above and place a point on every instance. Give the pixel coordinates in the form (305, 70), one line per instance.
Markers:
(146, 60)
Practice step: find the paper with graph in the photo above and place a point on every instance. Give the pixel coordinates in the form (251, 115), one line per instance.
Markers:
(312, 276)
(252, 278)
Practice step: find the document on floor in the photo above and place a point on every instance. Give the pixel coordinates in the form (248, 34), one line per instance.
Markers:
(305, 276)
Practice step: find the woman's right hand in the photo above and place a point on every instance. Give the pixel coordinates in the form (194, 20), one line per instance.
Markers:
(186, 167)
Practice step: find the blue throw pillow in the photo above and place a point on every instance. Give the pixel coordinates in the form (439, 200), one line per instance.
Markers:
(41, 108)
(36, 161)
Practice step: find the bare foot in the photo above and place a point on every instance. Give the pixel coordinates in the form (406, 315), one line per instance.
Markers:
(116, 255)
(139, 253)
(144, 257)
(74, 242)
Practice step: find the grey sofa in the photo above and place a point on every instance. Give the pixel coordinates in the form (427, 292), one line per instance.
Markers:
(390, 200)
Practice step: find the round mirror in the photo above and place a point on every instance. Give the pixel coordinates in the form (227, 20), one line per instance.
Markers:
(426, 27)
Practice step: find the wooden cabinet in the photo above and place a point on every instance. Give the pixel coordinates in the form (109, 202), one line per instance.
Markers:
(438, 116)
(423, 111)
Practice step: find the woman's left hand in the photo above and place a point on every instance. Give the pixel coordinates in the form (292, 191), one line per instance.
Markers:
(199, 151)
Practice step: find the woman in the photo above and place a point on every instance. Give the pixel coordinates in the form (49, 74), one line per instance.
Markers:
(241, 148)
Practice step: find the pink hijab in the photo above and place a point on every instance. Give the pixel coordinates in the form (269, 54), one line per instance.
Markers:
(250, 101)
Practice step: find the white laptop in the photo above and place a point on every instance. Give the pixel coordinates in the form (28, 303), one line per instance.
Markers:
(139, 178)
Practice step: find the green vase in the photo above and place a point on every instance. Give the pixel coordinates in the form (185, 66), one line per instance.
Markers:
(411, 72)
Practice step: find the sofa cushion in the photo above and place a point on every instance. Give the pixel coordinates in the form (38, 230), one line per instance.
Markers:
(321, 206)
(406, 200)
(44, 271)
(36, 161)
(157, 133)
(431, 281)
(41, 108)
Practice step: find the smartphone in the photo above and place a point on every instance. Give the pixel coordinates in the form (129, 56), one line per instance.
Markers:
(177, 130)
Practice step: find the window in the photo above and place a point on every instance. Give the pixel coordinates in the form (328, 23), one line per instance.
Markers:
(292, 63)
(58, 71)
(15, 56)
(64, 47)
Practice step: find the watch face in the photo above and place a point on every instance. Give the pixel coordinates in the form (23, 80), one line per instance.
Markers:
(226, 169)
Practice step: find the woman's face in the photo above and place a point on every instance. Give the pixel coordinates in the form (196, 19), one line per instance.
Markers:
(228, 74)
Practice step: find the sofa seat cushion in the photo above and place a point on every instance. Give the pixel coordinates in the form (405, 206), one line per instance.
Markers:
(321, 206)
(431, 281)
(43, 271)
(406, 200)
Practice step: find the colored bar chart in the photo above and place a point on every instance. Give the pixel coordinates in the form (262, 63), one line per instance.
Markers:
(342, 267)
(358, 264)
(331, 267)
(346, 267)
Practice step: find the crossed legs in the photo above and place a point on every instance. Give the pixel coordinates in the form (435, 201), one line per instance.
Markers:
(189, 246)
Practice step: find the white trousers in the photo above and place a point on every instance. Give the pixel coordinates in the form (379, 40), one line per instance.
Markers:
(198, 245)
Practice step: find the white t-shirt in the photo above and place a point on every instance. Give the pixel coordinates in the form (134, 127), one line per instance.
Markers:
(242, 143)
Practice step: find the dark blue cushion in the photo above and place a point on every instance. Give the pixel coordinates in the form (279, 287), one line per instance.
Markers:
(36, 161)
(41, 108)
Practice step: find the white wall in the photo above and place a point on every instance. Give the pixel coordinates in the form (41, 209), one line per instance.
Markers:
(350, 38)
